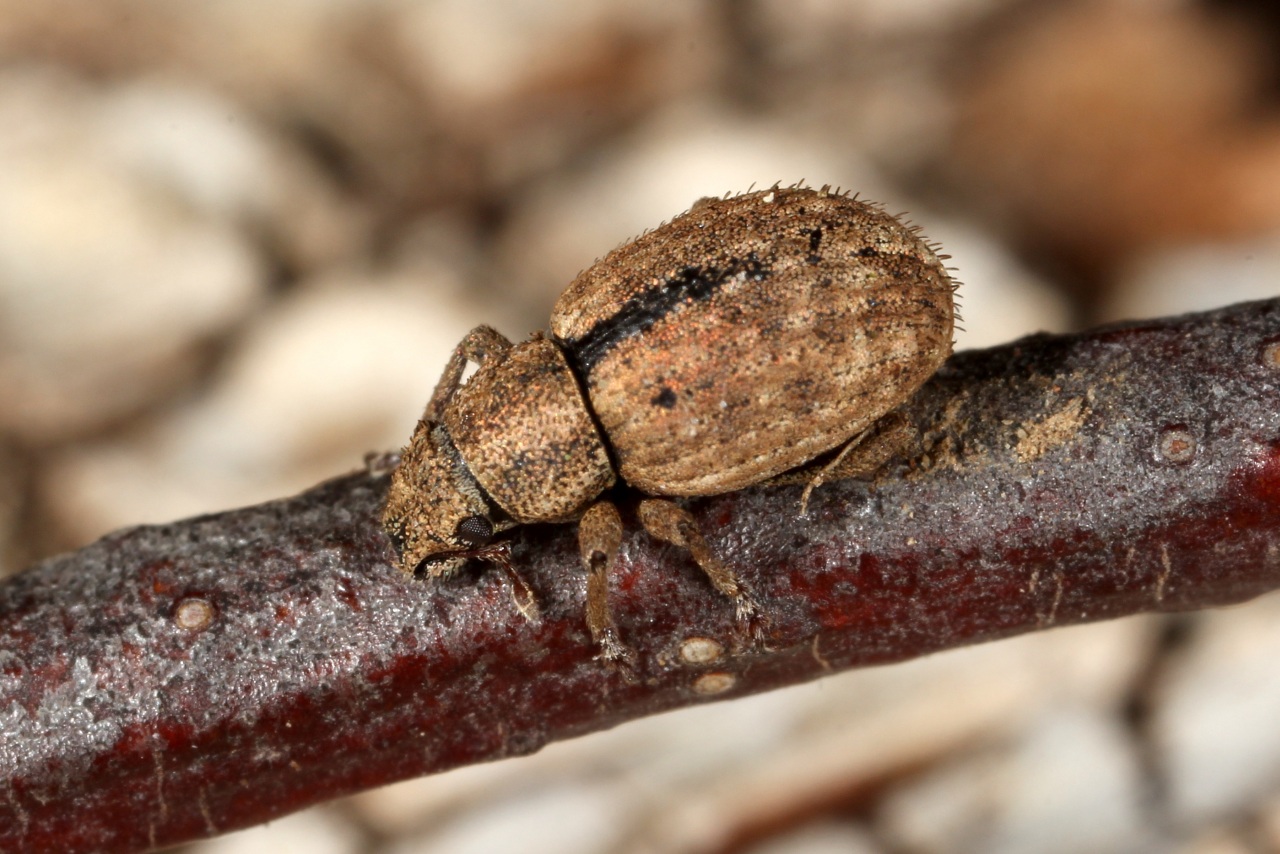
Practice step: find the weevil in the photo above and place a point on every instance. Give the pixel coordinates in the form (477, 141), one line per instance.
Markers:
(732, 345)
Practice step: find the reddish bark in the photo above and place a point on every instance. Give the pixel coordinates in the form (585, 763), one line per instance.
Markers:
(1064, 479)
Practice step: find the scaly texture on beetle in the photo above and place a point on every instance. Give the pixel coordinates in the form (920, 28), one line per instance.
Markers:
(735, 343)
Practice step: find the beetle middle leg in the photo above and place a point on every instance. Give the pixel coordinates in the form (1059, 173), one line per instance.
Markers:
(599, 536)
(480, 343)
(672, 523)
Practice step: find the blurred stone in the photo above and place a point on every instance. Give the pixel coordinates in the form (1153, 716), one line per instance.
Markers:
(950, 809)
(1078, 123)
(110, 283)
(1071, 782)
(564, 818)
(329, 71)
(999, 298)
(1220, 840)
(1179, 279)
(808, 26)
(479, 55)
(450, 241)
(316, 831)
(405, 807)
(819, 838)
(858, 729)
(840, 70)
(417, 104)
(531, 85)
(219, 159)
(689, 151)
(650, 758)
(324, 377)
(1216, 714)
(1269, 821)
(1074, 784)
(11, 486)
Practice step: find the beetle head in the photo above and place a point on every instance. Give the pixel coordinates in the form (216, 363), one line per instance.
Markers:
(436, 514)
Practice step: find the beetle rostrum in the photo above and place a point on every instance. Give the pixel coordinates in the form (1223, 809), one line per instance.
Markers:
(726, 348)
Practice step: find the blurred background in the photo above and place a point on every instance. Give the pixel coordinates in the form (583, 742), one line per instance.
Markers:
(238, 240)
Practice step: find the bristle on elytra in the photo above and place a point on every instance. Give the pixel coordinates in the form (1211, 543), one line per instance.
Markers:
(901, 217)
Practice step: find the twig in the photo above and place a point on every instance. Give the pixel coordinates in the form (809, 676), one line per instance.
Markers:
(172, 682)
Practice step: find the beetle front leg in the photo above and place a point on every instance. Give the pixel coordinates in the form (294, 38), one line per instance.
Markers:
(480, 343)
(599, 536)
(672, 523)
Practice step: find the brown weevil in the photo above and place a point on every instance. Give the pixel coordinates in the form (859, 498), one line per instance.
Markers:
(731, 345)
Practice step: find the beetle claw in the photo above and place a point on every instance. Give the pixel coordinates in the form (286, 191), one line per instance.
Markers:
(758, 632)
(617, 656)
(752, 621)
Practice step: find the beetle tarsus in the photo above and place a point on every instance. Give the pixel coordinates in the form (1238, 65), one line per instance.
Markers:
(380, 463)
(521, 593)
(617, 655)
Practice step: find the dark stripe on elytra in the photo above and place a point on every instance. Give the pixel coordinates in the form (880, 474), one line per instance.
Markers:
(647, 308)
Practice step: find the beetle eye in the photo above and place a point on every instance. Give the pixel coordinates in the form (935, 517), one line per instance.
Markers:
(474, 531)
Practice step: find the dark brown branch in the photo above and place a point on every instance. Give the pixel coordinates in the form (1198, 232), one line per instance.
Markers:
(176, 681)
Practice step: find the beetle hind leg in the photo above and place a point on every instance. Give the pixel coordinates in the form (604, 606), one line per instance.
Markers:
(673, 524)
(863, 456)
(840, 466)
